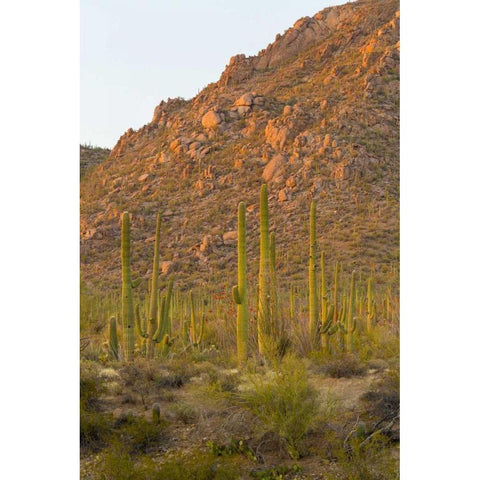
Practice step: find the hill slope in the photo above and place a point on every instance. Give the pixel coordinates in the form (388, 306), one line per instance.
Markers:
(315, 115)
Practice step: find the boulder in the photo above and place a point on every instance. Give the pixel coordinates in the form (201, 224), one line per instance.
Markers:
(230, 237)
(274, 168)
(211, 120)
(246, 100)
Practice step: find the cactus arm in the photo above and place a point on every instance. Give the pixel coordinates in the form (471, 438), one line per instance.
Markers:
(138, 322)
(236, 295)
(136, 282)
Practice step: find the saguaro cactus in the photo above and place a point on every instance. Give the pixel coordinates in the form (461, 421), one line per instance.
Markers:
(263, 273)
(195, 336)
(349, 323)
(113, 339)
(312, 279)
(152, 313)
(240, 290)
(163, 323)
(276, 328)
(127, 296)
(370, 304)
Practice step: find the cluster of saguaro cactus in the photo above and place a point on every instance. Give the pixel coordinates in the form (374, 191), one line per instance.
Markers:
(319, 330)
(332, 309)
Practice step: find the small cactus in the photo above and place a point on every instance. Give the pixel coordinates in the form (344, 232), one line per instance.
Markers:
(156, 413)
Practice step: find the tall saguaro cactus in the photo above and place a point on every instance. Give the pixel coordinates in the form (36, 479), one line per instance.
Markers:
(127, 296)
(263, 273)
(240, 290)
(349, 323)
(152, 313)
(312, 278)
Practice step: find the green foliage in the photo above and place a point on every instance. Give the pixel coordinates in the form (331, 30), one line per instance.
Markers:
(343, 366)
(117, 464)
(285, 403)
(91, 387)
(234, 447)
(138, 435)
(276, 473)
(196, 465)
(371, 461)
(95, 430)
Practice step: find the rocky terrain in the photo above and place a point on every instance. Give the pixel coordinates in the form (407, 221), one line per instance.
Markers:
(91, 156)
(314, 115)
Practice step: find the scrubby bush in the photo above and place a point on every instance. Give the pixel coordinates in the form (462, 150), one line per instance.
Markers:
(285, 403)
(343, 366)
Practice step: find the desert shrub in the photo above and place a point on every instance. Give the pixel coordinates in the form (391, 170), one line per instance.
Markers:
(343, 366)
(197, 465)
(384, 399)
(170, 380)
(184, 412)
(371, 461)
(91, 386)
(219, 381)
(276, 473)
(138, 435)
(285, 403)
(117, 464)
(95, 430)
(233, 447)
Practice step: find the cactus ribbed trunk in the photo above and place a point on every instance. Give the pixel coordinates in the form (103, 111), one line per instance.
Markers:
(369, 304)
(113, 339)
(127, 296)
(323, 293)
(312, 279)
(350, 320)
(153, 308)
(241, 288)
(276, 328)
(263, 283)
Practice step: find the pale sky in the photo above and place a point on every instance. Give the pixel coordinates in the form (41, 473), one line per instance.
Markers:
(135, 53)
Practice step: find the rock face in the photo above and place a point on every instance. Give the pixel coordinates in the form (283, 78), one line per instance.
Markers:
(275, 168)
(211, 120)
(314, 115)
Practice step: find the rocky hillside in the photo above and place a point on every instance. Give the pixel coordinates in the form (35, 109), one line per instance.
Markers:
(314, 115)
(91, 156)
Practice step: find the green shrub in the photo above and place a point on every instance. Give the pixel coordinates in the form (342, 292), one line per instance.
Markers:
(91, 387)
(138, 435)
(185, 413)
(196, 465)
(285, 403)
(116, 464)
(343, 366)
(95, 431)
